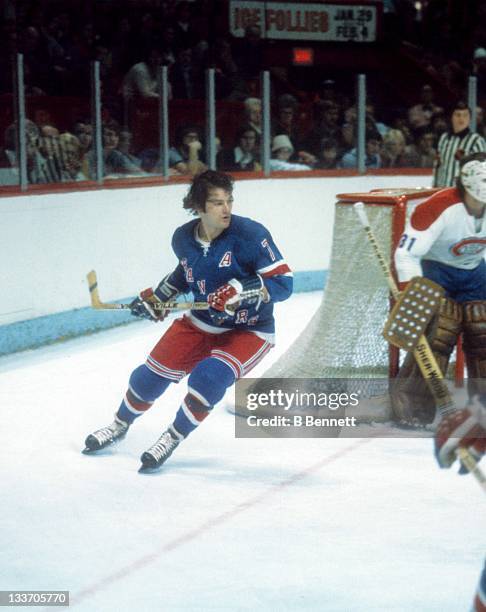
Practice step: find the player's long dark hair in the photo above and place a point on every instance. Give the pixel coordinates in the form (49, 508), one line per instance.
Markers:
(195, 200)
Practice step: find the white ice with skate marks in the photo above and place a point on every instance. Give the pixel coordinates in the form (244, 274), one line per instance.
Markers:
(335, 525)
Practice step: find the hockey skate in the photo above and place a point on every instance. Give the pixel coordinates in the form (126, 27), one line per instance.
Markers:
(158, 454)
(105, 436)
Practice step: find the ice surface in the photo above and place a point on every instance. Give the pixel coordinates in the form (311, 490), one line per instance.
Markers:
(334, 525)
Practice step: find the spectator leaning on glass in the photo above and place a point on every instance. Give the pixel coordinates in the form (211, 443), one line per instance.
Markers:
(372, 153)
(244, 155)
(184, 156)
(420, 115)
(453, 144)
(282, 151)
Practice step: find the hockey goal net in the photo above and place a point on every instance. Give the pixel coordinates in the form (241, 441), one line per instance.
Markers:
(344, 338)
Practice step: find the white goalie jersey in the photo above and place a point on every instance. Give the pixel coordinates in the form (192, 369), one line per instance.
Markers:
(441, 229)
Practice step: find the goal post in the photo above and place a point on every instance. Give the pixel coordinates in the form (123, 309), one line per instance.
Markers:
(344, 340)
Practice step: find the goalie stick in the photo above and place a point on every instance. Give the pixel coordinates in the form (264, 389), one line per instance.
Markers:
(99, 305)
(422, 352)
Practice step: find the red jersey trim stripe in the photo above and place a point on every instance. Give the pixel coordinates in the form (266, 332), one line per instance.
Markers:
(281, 270)
(429, 211)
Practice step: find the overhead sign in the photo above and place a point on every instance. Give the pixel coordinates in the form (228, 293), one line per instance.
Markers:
(306, 21)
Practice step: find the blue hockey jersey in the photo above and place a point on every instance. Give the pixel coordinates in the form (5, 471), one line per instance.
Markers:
(244, 249)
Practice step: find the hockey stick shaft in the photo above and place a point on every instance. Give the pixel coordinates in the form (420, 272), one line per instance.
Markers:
(99, 305)
(423, 354)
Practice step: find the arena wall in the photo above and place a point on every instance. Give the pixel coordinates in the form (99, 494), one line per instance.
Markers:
(48, 242)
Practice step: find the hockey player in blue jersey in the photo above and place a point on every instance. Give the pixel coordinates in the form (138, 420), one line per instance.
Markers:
(232, 263)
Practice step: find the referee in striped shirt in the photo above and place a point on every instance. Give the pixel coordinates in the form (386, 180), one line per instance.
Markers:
(454, 144)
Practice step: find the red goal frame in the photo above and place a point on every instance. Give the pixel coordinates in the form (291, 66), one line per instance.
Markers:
(398, 199)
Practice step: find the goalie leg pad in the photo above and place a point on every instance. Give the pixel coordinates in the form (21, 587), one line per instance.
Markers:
(410, 397)
(474, 329)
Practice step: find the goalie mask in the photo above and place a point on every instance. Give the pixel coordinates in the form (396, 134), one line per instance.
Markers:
(473, 178)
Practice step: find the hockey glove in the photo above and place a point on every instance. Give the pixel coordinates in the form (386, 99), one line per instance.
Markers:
(238, 293)
(148, 305)
(461, 428)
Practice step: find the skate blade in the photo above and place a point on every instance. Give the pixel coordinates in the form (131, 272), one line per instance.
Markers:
(147, 469)
(106, 450)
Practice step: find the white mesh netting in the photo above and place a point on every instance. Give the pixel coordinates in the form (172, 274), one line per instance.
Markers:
(343, 339)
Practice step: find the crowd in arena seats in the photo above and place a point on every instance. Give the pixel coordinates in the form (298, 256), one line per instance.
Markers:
(315, 129)
(319, 135)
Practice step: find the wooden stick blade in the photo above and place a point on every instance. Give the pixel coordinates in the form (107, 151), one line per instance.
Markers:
(95, 295)
(99, 305)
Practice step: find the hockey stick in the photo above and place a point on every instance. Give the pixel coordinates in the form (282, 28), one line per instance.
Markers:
(99, 305)
(422, 352)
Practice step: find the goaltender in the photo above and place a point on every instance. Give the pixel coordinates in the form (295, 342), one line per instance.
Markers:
(445, 241)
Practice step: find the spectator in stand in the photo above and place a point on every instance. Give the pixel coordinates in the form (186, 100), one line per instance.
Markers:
(287, 122)
(347, 138)
(372, 153)
(253, 114)
(141, 80)
(372, 122)
(400, 122)
(187, 83)
(185, 156)
(71, 158)
(327, 92)
(393, 150)
(168, 45)
(327, 125)
(50, 149)
(285, 119)
(458, 141)
(228, 83)
(328, 154)
(36, 59)
(125, 147)
(439, 126)
(422, 154)
(282, 151)
(83, 130)
(186, 35)
(38, 169)
(115, 163)
(420, 115)
(244, 156)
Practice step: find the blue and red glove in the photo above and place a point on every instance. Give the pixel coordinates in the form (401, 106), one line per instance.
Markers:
(148, 305)
(238, 293)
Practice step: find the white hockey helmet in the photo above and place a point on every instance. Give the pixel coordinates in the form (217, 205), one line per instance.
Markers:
(473, 176)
